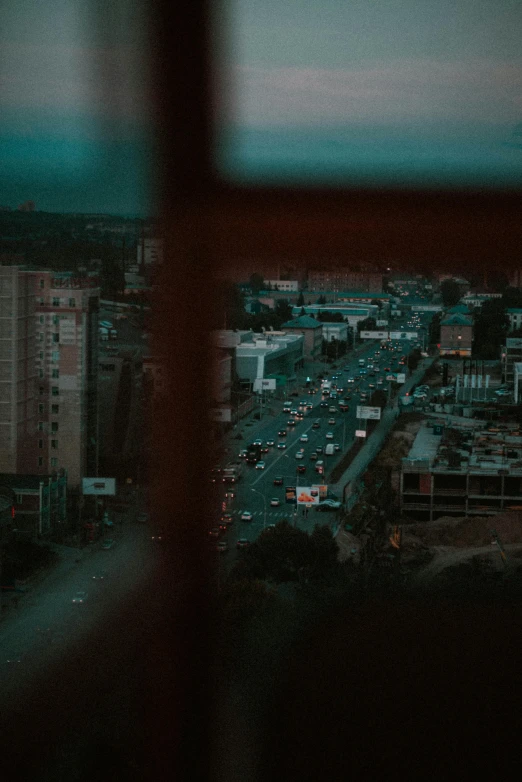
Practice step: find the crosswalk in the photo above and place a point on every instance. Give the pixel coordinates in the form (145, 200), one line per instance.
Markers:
(280, 513)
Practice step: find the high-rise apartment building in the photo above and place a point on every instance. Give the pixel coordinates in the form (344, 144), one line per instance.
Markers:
(66, 366)
(17, 371)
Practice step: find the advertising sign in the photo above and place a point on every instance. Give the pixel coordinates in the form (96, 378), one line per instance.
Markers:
(391, 377)
(360, 433)
(99, 486)
(323, 491)
(401, 377)
(373, 335)
(381, 323)
(403, 335)
(308, 495)
(290, 494)
(369, 412)
(264, 384)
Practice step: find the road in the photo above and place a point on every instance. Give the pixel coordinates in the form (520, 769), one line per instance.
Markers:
(47, 622)
(256, 490)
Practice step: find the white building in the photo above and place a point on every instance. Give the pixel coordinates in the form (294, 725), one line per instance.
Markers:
(291, 286)
(515, 318)
(338, 331)
(149, 251)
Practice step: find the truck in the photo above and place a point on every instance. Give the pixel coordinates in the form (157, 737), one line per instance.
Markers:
(329, 449)
(362, 362)
(231, 473)
(326, 385)
(253, 453)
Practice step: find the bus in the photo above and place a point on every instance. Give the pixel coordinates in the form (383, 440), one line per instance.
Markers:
(253, 453)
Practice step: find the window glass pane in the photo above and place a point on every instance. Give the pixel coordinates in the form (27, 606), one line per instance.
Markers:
(395, 92)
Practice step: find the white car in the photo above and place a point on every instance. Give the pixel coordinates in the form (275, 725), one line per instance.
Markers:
(80, 597)
(299, 455)
(329, 435)
(246, 516)
(303, 438)
(503, 392)
(260, 465)
(275, 502)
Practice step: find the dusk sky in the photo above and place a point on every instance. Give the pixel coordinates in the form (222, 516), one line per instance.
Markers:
(336, 89)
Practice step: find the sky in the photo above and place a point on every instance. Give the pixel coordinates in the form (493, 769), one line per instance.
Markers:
(335, 89)
(445, 77)
(75, 132)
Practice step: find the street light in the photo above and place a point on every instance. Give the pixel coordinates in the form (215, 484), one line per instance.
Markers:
(256, 491)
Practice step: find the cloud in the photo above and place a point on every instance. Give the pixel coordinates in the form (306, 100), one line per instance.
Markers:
(410, 90)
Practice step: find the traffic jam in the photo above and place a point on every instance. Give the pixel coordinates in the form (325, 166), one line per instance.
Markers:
(299, 449)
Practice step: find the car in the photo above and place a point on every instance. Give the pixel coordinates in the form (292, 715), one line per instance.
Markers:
(215, 532)
(281, 446)
(319, 449)
(294, 412)
(229, 494)
(264, 449)
(278, 480)
(275, 502)
(299, 455)
(80, 597)
(222, 526)
(303, 438)
(332, 409)
(329, 435)
(371, 385)
(331, 422)
(282, 433)
(107, 544)
(323, 404)
(313, 456)
(99, 576)
(227, 518)
(362, 372)
(258, 442)
(270, 442)
(159, 536)
(337, 447)
(311, 391)
(502, 392)
(243, 453)
(142, 517)
(246, 516)
(260, 465)
(301, 468)
(290, 422)
(380, 381)
(309, 406)
(350, 380)
(242, 543)
(221, 546)
(270, 527)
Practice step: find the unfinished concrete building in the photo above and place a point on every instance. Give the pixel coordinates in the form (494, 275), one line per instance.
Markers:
(457, 469)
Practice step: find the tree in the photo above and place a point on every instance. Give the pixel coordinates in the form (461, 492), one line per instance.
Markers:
(434, 332)
(450, 292)
(300, 300)
(321, 300)
(283, 309)
(257, 282)
(366, 325)
(330, 317)
(303, 311)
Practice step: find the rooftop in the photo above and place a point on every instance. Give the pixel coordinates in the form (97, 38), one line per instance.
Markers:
(303, 322)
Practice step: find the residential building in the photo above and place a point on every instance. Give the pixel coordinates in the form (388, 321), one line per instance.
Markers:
(344, 280)
(456, 335)
(515, 318)
(515, 278)
(283, 285)
(352, 314)
(312, 331)
(478, 299)
(40, 502)
(149, 251)
(67, 368)
(18, 372)
(465, 469)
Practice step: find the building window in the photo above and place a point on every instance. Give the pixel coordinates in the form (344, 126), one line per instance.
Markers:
(54, 427)
(41, 390)
(41, 374)
(19, 499)
(55, 373)
(40, 443)
(42, 318)
(55, 391)
(42, 283)
(54, 444)
(42, 302)
(54, 461)
(56, 301)
(41, 355)
(41, 336)
(40, 426)
(40, 408)
(55, 355)
(56, 320)
(40, 461)
(56, 337)
(55, 409)
(72, 302)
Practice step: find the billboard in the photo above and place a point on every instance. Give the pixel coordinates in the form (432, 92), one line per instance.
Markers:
(308, 495)
(360, 433)
(221, 414)
(401, 377)
(381, 323)
(369, 412)
(373, 335)
(264, 384)
(99, 486)
(403, 335)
